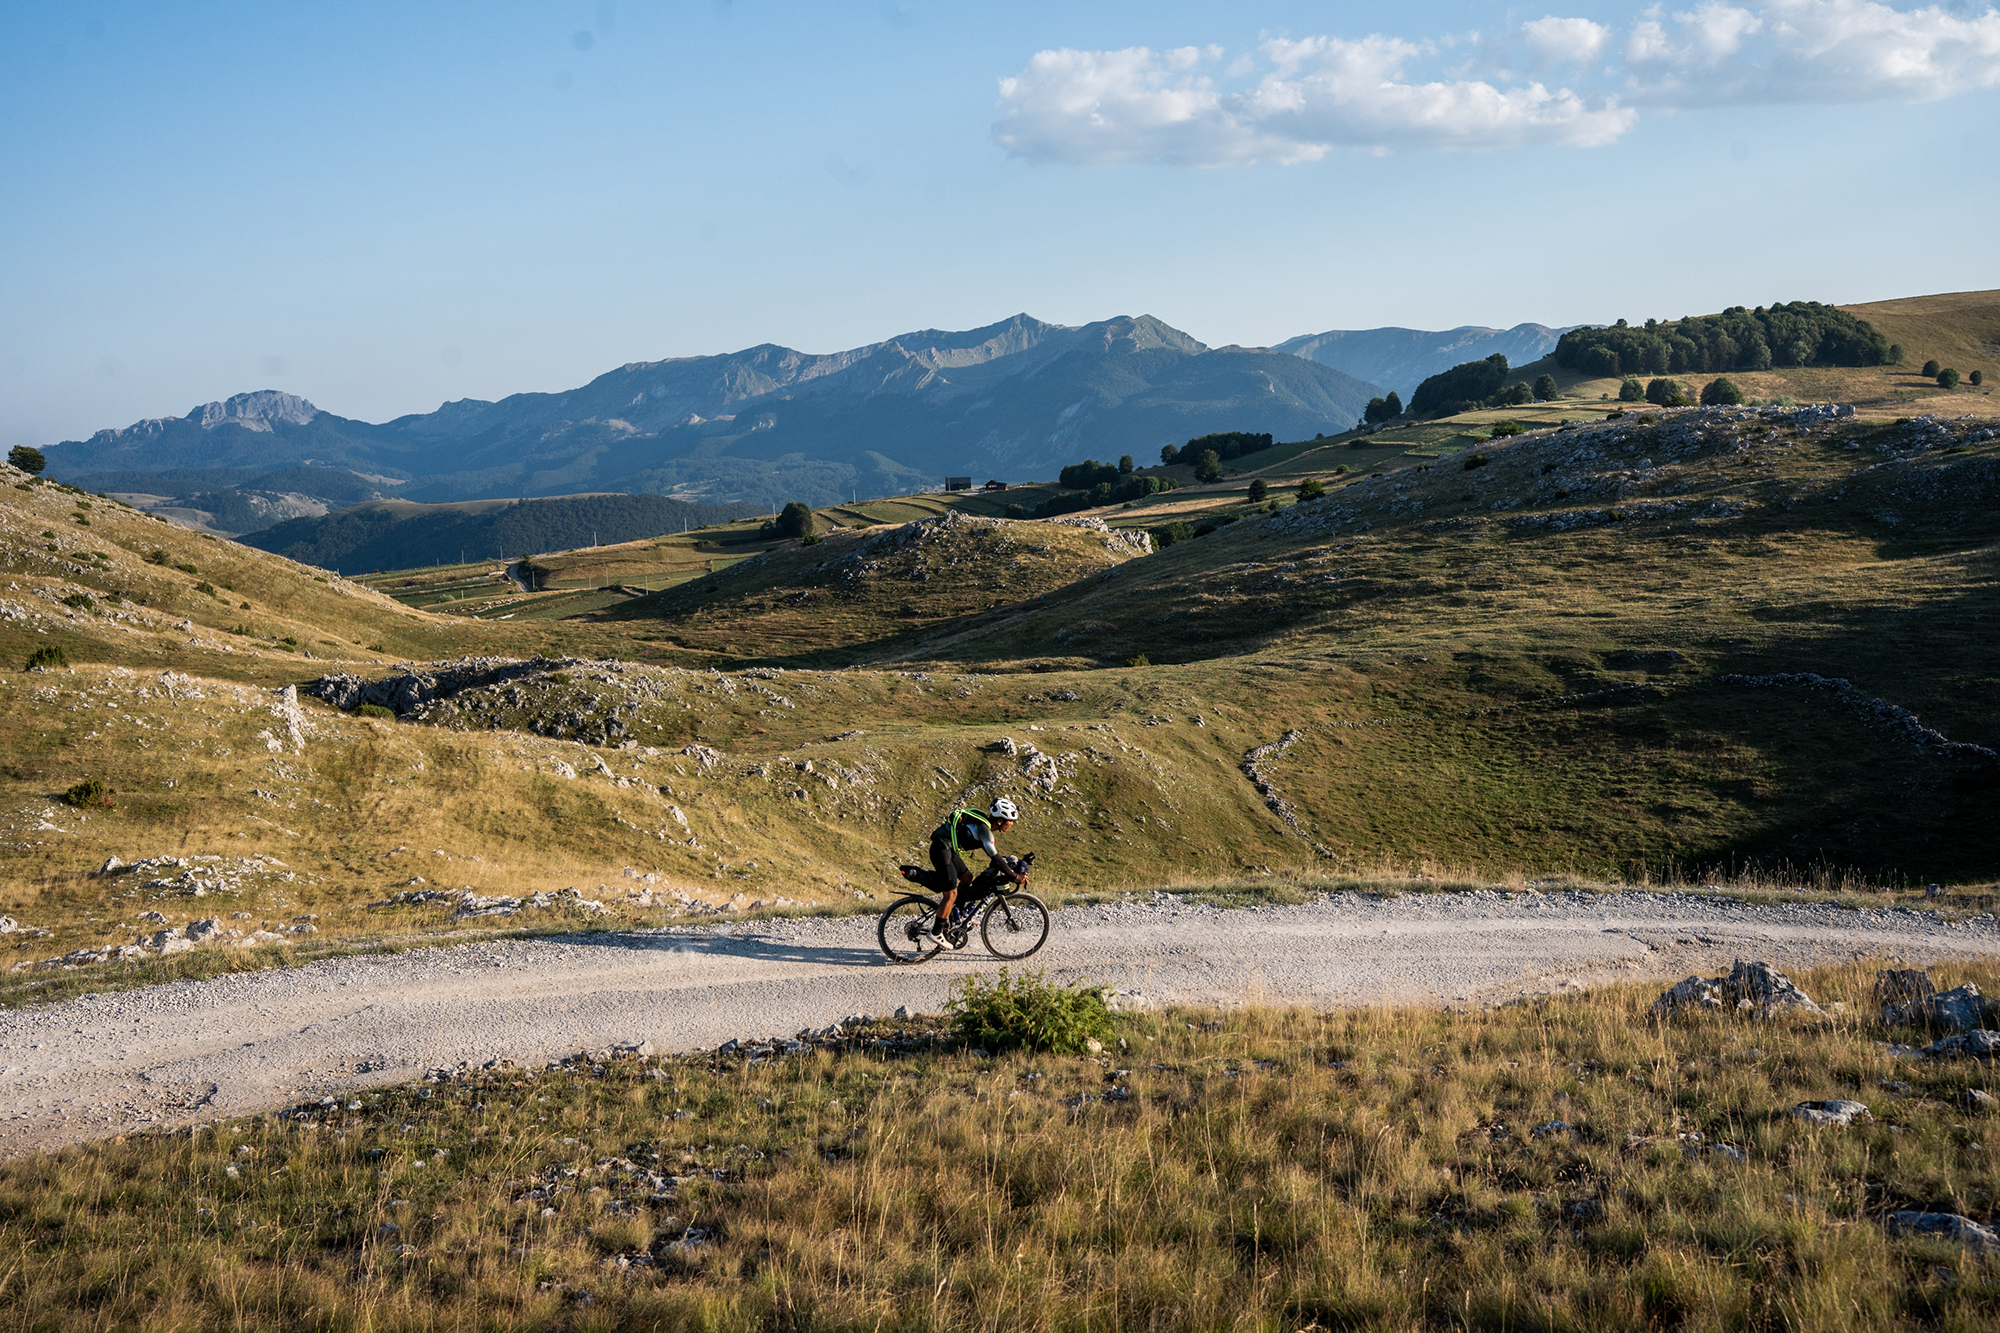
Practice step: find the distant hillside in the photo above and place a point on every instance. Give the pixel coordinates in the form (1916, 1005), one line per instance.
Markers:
(1401, 359)
(768, 424)
(396, 534)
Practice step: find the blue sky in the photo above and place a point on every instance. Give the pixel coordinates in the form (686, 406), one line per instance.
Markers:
(382, 207)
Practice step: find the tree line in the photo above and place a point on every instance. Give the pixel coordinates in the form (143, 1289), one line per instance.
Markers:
(1803, 333)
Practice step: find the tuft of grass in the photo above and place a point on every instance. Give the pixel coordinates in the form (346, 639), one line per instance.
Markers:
(89, 792)
(376, 711)
(1028, 1012)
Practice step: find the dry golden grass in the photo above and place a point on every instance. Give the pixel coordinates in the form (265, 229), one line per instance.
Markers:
(1554, 1166)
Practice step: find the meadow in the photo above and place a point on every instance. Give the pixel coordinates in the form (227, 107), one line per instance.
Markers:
(1568, 1163)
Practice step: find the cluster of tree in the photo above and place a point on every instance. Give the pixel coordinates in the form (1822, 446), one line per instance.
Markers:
(1948, 378)
(1223, 444)
(1465, 386)
(1803, 333)
(1090, 472)
(1382, 409)
(1130, 487)
(29, 460)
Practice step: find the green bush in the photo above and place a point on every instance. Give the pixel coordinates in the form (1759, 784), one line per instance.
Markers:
(1208, 466)
(1500, 430)
(1312, 488)
(1138, 660)
(79, 601)
(187, 569)
(376, 710)
(1010, 1012)
(1517, 395)
(1931, 369)
(1721, 393)
(1631, 391)
(1170, 454)
(1259, 488)
(1947, 378)
(1545, 389)
(1895, 354)
(48, 657)
(1976, 378)
(156, 558)
(88, 792)
(795, 520)
(1167, 534)
(30, 461)
(1667, 393)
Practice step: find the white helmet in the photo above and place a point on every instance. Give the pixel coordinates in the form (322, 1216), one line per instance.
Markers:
(1006, 809)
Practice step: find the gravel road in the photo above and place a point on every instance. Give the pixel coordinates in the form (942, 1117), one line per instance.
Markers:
(195, 1051)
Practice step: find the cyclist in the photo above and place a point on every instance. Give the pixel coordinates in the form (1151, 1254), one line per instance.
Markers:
(961, 831)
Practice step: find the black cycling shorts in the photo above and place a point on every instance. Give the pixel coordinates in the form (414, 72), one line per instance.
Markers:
(949, 864)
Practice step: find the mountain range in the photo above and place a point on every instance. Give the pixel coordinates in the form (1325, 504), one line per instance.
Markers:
(1401, 359)
(1014, 400)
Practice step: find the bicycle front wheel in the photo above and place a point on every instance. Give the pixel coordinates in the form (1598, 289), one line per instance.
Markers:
(900, 930)
(1015, 925)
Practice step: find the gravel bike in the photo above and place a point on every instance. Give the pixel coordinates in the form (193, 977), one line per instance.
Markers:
(1012, 922)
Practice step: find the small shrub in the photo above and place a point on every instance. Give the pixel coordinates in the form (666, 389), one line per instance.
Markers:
(1017, 511)
(1259, 488)
(80, 520)
(1631, 391)
(1167, 534)
(1312, 488)
(88, 792)
(1947, 378)
(1137, 660)
(205, 587)
(79, 601)
(48, 657)
(156, 558)
(1895, 354)
(1721, 393)
(810, 539)
(1476, 461)
(1976, 378)
(1500, 430)
(1027, 1011)
(242, 631)
(187, 569)
(1931, 368)
(377, 648)
(290, 642)
(376, 710)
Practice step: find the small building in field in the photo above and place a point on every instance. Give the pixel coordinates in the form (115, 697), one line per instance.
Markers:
(994, 486)
(958, 483)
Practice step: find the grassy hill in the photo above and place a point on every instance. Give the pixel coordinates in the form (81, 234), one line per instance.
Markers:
(399, 534)
(1612, 646)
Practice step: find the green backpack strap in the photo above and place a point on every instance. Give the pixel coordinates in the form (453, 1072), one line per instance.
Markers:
(979, 815)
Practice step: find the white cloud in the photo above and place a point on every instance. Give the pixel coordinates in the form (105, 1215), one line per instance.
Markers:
(1559, 41)
(1812, 51)
(1314, 95)
(1296, 100)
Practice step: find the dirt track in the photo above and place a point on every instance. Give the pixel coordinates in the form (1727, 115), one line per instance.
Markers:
(195, 1051)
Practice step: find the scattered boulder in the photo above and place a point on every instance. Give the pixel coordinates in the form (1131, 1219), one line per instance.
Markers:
(1834, 1112)
(1980, 1044)
(1757, 987)
(1908, 999)
(1005, 745)
(209, 929)
(1944, 1226)
(1976, 1099)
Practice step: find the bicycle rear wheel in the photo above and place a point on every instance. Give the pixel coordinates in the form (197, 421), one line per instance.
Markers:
(1015, 925)
(898, 930)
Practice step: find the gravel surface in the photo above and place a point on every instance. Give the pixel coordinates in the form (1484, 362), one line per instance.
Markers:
(195, 1051)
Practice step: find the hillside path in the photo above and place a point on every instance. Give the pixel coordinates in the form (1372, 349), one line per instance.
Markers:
(195, 1051)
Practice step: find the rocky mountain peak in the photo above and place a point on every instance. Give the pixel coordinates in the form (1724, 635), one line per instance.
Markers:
(255, 411)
